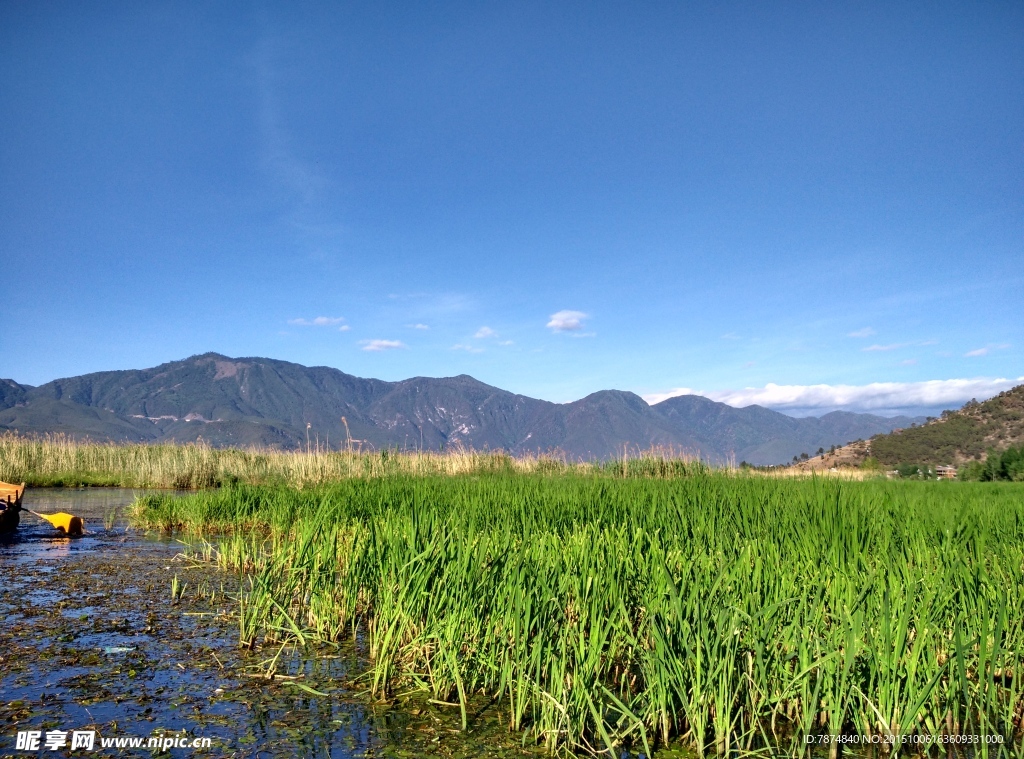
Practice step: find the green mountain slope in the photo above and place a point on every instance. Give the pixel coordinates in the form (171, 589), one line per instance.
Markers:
(11, 393)
(957, 437)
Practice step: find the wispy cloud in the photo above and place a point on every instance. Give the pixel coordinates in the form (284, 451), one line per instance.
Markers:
(298, 177)
(417, 326)
(863, 332)
(730, 336)
(986, 350)
(891, 347)
(467, 348)
(876, 396)
(428, 305)
(319, 321)
(567, 321)
(485, 332)
(376, 346)
(898, 346)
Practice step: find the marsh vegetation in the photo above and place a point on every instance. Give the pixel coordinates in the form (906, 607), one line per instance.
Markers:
(599, 610)
(119, 632)
(62, 461)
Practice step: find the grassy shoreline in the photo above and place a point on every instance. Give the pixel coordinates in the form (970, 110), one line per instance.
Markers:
(724, 612)
(61, 461)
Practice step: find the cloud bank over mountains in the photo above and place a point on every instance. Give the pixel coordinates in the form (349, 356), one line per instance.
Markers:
(885, 398)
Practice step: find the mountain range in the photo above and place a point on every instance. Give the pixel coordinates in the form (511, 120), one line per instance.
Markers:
(244, 402)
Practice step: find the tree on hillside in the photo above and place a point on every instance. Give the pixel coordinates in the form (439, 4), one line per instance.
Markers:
(1007, 465)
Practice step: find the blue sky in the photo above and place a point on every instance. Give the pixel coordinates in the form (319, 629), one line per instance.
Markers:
(556, 198)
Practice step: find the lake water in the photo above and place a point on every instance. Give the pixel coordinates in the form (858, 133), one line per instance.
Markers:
(93, 642)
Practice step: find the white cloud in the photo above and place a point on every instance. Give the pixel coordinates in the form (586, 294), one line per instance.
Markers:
(506, 342)
(467, 348)
(898, 346)
(485, 332)
(876, 396)
(863, 332)
(892, 347)
(417, 326)
(986, 350)
(344, 328)
(730, 336)
(381, 345)
(567, 321)
(319, 321)
(675, 392)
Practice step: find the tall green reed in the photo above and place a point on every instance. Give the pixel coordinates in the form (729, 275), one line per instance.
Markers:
(729, 613)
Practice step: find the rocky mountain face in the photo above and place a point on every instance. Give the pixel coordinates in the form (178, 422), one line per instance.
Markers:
(264, 402)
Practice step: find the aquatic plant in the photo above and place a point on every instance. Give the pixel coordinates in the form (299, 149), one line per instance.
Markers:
(726, 612)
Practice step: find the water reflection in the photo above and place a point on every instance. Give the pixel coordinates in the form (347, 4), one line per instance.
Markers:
(95, 641)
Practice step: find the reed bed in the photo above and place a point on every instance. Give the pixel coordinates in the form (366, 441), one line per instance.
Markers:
(59, 460)
(730, 614)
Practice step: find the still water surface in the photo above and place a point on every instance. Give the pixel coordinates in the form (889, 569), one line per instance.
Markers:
(94, 641)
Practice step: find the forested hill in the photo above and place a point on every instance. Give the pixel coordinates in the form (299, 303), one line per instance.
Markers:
(957, 437)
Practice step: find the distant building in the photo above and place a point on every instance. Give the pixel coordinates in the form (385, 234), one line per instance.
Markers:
(945, 472)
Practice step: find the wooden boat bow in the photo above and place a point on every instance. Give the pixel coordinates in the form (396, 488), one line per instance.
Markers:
(10, 506)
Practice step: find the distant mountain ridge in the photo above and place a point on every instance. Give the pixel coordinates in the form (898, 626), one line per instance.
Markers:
(265, 402)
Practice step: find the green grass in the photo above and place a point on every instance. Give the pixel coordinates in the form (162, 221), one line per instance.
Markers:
(724, 612)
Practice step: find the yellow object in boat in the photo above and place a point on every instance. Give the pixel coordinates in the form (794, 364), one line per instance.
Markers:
(67, 523)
